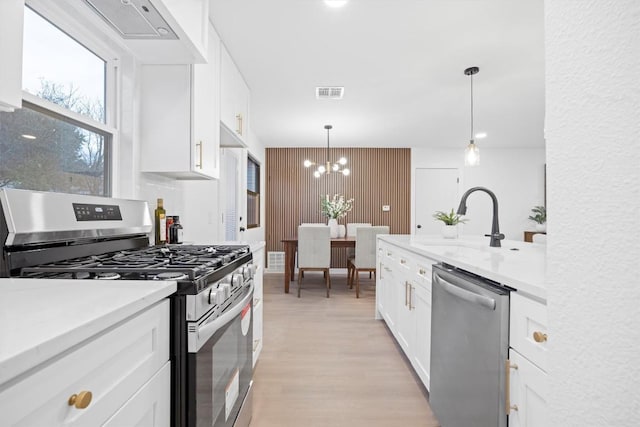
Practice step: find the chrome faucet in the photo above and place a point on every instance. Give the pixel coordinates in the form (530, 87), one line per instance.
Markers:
(495, 235)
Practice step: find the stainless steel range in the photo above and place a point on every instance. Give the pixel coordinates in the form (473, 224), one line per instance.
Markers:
(64, 236)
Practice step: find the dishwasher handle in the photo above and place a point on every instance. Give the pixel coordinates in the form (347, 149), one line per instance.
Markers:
(464, 294)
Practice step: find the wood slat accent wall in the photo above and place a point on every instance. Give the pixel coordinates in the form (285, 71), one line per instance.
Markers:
(379, 176)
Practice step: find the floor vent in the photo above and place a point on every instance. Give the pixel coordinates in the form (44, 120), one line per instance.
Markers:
(275, 262)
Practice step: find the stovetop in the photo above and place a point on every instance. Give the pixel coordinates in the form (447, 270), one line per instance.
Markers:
(193, 266)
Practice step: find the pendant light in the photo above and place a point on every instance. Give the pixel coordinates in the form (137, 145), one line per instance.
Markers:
(328, 167)
(472, 152)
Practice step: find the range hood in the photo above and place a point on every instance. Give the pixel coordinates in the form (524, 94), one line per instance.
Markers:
(133, 19)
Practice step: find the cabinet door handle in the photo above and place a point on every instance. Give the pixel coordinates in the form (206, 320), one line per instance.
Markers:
(239, 119)
(422, 272)
(199, 145)
(411, 307)
(539, 336)
(256, 343)
(80, 400)
(406, 293)
(507, 395)
(403, 261)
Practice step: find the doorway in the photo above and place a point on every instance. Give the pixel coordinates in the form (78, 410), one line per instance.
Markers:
(436, 189)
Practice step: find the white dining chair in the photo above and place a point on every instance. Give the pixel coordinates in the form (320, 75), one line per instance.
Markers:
(352, 228)
(314, 252)
(365, 256)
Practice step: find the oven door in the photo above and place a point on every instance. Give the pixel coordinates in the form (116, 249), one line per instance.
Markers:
(220, 366)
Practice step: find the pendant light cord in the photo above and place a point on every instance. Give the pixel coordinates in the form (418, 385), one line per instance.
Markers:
(328, 145)
(471, 136)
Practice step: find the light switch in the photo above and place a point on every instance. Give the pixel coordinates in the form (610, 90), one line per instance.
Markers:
(386, 208)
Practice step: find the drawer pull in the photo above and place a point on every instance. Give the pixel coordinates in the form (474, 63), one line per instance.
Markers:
(403, 261)
(422, 272)
(80, 400)
(507, 395)
(539, 336)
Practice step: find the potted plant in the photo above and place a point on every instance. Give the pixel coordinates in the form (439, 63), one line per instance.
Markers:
(334, 209)
(539, 217)
(451, 221)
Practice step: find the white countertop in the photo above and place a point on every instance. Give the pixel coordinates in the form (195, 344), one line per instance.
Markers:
(522, 269)
(40, 318)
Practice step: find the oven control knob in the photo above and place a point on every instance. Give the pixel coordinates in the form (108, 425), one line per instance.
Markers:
(220, 298)
(225, 289)
(212, 298)
(249, 271)
(237, 280)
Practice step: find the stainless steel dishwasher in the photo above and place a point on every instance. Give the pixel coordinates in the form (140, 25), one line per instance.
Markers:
(469, 346)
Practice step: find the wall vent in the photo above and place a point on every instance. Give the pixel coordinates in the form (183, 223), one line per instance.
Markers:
(329, 92)
(275, 262)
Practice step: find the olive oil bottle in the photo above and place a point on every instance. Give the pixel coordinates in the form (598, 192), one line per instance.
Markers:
(161, 223)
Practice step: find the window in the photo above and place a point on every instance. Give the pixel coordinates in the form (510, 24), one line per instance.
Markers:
(253, 193)
(57, 68)
(59, 140)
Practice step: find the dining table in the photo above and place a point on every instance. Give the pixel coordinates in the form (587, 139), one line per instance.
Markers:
(291, 246)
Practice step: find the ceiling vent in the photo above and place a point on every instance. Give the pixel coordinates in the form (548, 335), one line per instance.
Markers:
(133, 19)
(334, 92)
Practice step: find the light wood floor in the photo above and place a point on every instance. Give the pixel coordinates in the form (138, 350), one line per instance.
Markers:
(327, 362)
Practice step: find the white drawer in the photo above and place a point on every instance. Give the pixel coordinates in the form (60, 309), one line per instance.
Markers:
(423, 271)
(404, 264)
(112, 366)
(528, 329)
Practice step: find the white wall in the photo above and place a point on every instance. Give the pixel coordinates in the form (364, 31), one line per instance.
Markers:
(593, 171)
(516, 176)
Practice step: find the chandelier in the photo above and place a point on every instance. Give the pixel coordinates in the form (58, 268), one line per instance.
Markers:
(328, 167)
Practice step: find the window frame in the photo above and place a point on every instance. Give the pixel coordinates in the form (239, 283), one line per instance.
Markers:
(253, 194)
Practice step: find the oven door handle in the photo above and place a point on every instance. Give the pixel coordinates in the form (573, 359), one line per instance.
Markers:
(207, 328)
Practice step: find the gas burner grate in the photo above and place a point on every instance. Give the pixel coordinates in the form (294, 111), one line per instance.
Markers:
(183, 262)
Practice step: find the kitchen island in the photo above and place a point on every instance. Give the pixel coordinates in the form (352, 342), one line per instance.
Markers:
(84, 351)
(404, 301)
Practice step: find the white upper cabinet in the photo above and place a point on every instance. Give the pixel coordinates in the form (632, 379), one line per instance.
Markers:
(234, 103)
(11, 28)
(180, 110)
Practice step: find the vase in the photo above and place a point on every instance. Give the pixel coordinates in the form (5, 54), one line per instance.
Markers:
(542, 228)
(342, 230)
(333, 227)
(450, 231)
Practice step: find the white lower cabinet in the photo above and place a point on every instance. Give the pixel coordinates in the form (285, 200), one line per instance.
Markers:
(528, 391)
(528, 362)
(405, 323)
(258, 303)
(125, 366)
(421, 360)
(150, 406)
(403, 293)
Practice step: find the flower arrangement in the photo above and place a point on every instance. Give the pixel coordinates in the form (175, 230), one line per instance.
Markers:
(337, 207)
(449, 218)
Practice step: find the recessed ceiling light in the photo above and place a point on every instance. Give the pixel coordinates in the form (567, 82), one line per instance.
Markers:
(335, 3)
(481, 135)
(27, 136)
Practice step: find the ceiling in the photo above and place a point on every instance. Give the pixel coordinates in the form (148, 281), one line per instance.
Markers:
(401, 63)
